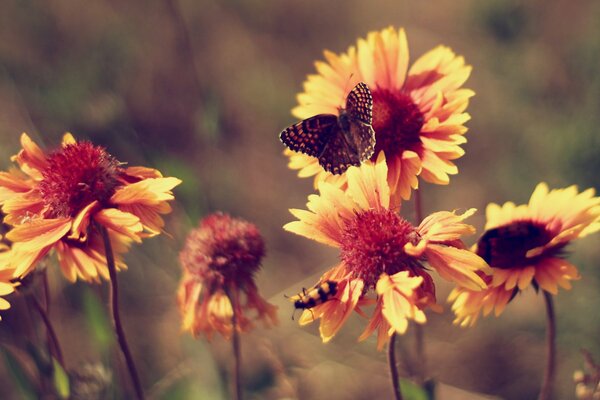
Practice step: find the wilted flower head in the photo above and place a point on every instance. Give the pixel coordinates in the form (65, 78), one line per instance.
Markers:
(418, 111)
(59, 201)
(90, 381)
(525, 245)
(220, 259)
(382, 253)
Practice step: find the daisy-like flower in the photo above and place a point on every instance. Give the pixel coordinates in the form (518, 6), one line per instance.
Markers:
(524, 245)
(60, 200)
(382, 252)
(6, 275)
(418, 112)
(220, 259)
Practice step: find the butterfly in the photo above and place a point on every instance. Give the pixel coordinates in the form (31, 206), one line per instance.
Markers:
(337, 141)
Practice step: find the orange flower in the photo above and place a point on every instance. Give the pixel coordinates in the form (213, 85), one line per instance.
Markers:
(220, 259)
(382, 252)
(58, 200)
(6, 274)
(418, 112)
(524, 246)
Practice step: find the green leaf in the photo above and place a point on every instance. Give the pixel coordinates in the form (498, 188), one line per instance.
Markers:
(61, 380)
(98, 323)
(412, 391)
(19, 376)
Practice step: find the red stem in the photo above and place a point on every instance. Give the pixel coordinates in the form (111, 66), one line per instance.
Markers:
(236, 346)
(394, 367)
(53, 343)
(549, 374)
(114, 306)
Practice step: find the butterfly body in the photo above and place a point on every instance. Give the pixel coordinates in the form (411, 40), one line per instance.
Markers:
(337, 141)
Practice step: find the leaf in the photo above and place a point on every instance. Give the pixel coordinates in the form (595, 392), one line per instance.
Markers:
(412, 391)
(97, 321)
(19, 376)
(61, 380)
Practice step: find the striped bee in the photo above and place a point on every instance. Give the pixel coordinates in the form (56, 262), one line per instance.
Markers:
(322, 292)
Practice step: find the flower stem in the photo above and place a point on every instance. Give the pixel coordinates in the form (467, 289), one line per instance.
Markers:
(114, 306)
(53, 344)
(548, 383)
(394, 367)
(236, 346)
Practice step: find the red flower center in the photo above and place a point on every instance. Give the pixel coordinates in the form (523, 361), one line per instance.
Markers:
(223, 250)
(76, 175)
(397, 122)
(373, 243)
(507, 246)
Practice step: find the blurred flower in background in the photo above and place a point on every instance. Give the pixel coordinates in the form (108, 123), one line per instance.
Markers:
(58, 201)
(525, 246)
(219, 259)
(418, 112)
(587, 381)
(381, 251)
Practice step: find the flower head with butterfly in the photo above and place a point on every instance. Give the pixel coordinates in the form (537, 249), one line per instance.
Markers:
(417, 113)
(337, 141)
(382, 253)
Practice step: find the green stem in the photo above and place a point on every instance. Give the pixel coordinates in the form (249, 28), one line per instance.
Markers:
(549, 374)
(394, 367)
(114, 306)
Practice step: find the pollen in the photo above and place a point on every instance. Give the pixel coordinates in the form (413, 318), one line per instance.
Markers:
(77, 175)
(373, 243)
(507, 246)
(397, 122)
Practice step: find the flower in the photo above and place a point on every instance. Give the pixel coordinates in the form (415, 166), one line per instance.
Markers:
(6, 274)
(382, 252)
(58, 201)
(220, 259)
(524, 245)
(418, 112)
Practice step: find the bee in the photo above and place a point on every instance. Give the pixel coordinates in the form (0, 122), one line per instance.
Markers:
(319, 294)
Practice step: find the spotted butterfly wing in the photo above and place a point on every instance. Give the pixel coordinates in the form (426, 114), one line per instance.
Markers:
(359, 104)
(337, 141)
(359, 107)
(310, 135)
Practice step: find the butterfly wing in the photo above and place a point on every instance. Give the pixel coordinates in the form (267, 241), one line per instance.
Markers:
(338, 154)
(359, 109)
(363, 137)
(359, 104)
(311, 135)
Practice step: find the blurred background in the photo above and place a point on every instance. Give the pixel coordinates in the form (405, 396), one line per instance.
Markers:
(201, 89)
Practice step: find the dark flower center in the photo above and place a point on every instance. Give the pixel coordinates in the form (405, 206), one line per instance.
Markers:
(397, 122)
(373, 243)
(507, 246)
(223, 250)
(77, 175)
